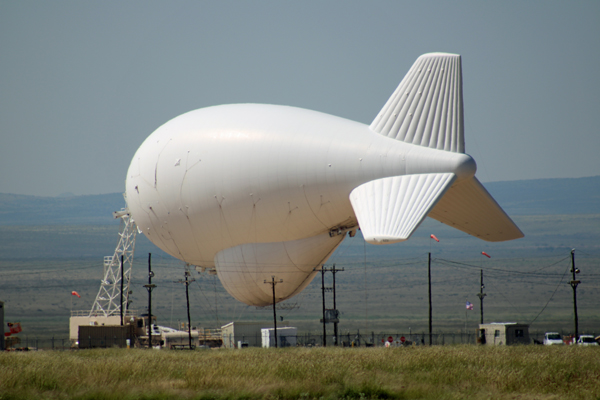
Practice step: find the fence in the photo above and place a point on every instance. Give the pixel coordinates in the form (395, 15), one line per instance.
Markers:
(26, 343)
(370, 340)
(303, 340)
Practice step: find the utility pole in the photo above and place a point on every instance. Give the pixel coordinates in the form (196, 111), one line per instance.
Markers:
(121, 308)
(323, 298)
(335, 323)
(481, 295)
(329, 315)
(432, 236)
(187, 300)
(574, 284)
(430, 316)
(149, 287)
(273, 283)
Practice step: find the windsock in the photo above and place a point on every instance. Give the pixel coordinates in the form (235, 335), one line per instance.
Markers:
(434, 238)
(486, 254)
(14, 327)
(74, 293)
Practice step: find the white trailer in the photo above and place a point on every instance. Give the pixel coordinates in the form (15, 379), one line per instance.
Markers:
(245, 333)
(286, 337)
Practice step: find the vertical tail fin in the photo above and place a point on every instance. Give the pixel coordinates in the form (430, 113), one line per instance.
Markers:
(427, 107)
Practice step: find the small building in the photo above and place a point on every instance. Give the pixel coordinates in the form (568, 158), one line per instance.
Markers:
(105, 336)
(286, 337)
(504, 333)
(246, 333)
(84, 318)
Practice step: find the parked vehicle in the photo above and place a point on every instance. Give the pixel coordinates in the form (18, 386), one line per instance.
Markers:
(552, 338)
(587, 340)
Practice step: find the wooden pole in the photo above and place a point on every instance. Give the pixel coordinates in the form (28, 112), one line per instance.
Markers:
(574, 284)
(121, 308)
(481, 296)
(187, 299)
(335, 324)
(149, 287)
(274, 311)
(323, 296)
(430, 313)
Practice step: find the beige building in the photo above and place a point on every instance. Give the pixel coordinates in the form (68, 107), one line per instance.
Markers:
(504, 333)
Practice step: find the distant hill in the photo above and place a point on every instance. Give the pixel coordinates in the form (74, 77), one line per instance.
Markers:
(526, 197)
(548, 196)
(76, 210)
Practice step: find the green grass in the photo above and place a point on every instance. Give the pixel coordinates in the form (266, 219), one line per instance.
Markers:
(451, 372)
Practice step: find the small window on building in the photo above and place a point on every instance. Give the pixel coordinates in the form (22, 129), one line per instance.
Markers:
(497, 333)
(519, 333)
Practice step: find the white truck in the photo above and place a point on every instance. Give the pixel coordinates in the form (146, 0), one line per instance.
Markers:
(587, 340)
(551, 338)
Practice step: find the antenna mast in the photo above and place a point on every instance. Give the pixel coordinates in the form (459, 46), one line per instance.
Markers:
(109, 296)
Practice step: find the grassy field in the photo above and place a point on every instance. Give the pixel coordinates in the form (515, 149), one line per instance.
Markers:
(450, 372)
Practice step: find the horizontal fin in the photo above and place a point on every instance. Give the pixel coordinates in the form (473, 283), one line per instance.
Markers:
(427, 107)
(468, 207)
(390, 209)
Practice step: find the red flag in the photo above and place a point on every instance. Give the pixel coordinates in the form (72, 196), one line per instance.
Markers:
(74, 293)
(14, 327)
(486, 254)
(434, 238)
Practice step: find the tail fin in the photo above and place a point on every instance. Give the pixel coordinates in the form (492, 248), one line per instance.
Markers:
(427, 110)
(427, 107)
(468, 207)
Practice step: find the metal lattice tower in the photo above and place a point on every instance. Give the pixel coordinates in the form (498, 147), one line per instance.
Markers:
(109, 295)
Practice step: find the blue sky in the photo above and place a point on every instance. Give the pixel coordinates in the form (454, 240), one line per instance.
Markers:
(82, 84)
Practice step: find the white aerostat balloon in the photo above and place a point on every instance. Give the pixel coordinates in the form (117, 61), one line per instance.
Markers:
(258, 191)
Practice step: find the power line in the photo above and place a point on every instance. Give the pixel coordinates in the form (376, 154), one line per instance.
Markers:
(459, 264)
(553, 293)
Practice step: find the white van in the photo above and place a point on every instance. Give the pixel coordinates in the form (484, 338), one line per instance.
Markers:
(552, 338)
(587, 340)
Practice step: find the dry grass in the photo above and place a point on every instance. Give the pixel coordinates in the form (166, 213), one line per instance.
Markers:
(452, 372)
